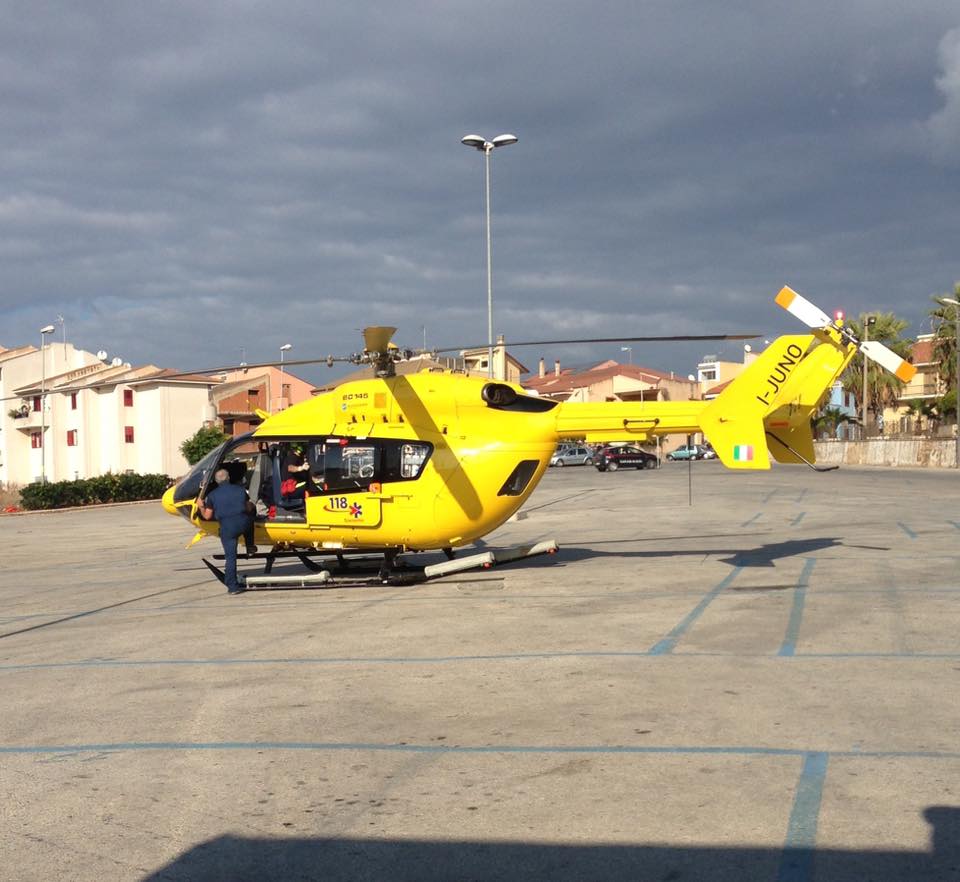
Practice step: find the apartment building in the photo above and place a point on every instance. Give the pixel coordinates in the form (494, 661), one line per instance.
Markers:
(71, 416)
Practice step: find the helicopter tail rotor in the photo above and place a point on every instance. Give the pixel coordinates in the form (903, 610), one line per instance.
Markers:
(814, 317)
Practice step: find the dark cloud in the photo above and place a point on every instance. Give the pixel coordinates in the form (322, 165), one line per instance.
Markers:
(185, 180)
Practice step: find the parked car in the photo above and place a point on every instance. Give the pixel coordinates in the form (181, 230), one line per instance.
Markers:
(572, 456)
(691, 451)
(609, 459)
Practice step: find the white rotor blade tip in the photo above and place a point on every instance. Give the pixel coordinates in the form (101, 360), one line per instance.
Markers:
(812, 316)
(888, 359)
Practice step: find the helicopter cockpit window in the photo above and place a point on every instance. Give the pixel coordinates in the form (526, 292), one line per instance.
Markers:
(190, 486)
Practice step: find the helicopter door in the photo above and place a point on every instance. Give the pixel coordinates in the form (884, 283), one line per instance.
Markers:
(352, 471)
(239, 456)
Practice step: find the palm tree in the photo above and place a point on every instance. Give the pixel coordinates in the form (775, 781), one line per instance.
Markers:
(825, 423)
(883, 387)
(944, 321)
(923, 409)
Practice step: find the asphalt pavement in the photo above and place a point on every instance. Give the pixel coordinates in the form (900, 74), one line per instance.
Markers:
(719, 677)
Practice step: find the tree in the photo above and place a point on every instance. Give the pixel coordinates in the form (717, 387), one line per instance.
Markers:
(198, 445)
(944, 321)
(946, 405)
(883, 387)
(825, 423)
(924, 409)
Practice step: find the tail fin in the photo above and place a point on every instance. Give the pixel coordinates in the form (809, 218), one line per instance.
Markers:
(788, 427)
(734, 421)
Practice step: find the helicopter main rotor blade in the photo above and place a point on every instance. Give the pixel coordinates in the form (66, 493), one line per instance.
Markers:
(293, 362)
(675, 338)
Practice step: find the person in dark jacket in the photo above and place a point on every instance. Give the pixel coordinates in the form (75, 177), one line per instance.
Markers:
(229, 504)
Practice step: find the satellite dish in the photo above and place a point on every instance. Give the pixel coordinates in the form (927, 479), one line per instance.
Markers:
(102, 355)
(747, 347)
(117, 362)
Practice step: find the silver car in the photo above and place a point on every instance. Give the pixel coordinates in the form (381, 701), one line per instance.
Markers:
(572, 456)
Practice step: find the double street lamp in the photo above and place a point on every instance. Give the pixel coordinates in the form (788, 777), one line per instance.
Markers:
(949, 301)
(487, 147)
(47, 329)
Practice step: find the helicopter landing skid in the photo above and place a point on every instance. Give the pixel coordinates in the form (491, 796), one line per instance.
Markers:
(389, 571)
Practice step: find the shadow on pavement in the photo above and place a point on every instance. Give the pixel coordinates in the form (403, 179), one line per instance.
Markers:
(236, 859)
(762, 556)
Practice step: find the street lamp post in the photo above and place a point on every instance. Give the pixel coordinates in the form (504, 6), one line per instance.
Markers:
(867, 321)
(285, 348)
(947, 301)
(48, 329)
(486, 147)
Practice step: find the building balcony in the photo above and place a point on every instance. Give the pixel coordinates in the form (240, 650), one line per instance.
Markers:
(31, 422)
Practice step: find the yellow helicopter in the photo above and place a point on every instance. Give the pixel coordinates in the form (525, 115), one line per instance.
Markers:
(437, 460)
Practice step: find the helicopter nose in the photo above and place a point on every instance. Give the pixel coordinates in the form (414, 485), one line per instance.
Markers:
(167, 501)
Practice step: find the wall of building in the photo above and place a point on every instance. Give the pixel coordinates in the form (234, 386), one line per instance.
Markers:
(935, 453)
(162, 415)
(19, 462)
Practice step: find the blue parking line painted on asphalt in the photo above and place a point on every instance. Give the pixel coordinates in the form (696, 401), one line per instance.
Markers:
(796, 865)
(797, 519)
(665, 646)
(747, 523)
(449, 659)
(800, 830)
(906, 530)
(789, 645)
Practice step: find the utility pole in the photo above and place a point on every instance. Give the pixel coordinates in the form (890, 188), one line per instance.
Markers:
(867, 321)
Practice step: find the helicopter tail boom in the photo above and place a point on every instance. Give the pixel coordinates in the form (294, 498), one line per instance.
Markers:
(765, 411)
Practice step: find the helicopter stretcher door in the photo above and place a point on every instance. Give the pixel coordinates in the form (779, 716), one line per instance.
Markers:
(362, 509)
(350, 495)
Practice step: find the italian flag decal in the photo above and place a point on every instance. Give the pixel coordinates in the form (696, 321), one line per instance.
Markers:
(742, 452)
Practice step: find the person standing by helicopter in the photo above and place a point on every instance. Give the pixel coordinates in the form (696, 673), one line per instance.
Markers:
(229, 504)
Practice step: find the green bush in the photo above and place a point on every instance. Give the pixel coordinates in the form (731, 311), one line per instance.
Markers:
(199, 444)
(91, 491)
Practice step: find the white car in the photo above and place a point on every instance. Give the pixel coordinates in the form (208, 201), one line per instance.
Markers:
(572, 456)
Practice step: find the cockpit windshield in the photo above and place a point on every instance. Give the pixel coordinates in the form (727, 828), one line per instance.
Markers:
(189, 487)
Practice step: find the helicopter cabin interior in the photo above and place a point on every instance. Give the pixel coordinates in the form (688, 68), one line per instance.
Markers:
(280, 475)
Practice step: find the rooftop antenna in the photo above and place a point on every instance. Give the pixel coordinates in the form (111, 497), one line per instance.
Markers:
(63, 327)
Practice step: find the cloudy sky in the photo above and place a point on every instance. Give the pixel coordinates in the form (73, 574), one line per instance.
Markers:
(189, 182)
